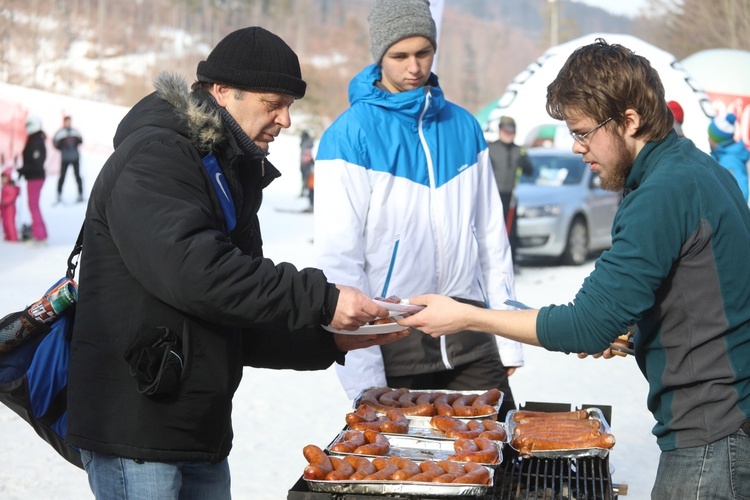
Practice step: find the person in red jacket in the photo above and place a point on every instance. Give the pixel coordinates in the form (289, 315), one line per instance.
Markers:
(8, 198)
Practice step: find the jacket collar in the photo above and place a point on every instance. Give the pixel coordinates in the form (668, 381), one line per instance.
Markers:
(409, 104)
(647, 159)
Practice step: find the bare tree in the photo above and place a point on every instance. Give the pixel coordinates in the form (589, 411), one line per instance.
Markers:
(684, 27)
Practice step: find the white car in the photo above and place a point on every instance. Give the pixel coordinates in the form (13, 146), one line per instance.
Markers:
(562, 212)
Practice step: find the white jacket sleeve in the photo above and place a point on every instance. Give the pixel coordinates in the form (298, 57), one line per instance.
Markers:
(342, 199)
(495, 256)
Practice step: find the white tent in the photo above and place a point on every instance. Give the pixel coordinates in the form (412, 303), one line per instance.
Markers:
(525, 98)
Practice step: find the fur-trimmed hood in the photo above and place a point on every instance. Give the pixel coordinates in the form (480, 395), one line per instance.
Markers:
(196, 117)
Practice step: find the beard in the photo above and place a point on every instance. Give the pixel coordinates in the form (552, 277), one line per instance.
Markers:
(614, 180)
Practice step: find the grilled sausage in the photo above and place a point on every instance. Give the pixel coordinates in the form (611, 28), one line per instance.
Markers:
(430, 470)
(320, 464)
(563, 415)
(475, 474)
(444, 404)
(487, 453)
(385, 470)
(525, 445)
(406, 468)
(474, 429)
(342, 470)
(377, 444)
(445, 423)
(362, 467)
(349, 442)
(484, 403)
(396, 423)
(462, 406)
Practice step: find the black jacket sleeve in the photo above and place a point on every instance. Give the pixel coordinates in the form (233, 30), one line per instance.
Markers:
(312, 349)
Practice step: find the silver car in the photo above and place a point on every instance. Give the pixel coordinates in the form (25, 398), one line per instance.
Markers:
(562, 212)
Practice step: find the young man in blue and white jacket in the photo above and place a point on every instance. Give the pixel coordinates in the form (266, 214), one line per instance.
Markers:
(406, 203)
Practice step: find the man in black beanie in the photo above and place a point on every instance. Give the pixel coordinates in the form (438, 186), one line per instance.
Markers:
(175, 294)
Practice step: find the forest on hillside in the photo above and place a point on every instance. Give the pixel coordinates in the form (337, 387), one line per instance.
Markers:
(110, 50)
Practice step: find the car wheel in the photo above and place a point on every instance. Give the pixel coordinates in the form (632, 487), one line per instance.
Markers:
(577, 247)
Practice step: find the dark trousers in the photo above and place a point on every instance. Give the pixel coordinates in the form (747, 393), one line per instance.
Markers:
(64, 170)
(507, 199)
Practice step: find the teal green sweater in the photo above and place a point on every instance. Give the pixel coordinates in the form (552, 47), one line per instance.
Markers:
(678, 267)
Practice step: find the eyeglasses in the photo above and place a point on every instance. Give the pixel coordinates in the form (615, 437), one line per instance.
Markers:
(581, 138)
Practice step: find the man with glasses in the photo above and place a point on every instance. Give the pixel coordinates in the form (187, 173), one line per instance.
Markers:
(581, 138)
(677, 268)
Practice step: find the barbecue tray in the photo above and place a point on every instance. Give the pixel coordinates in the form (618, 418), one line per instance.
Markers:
(594, 413)
(417, 449)
(417, 418)
(421, 427)
(419, 490)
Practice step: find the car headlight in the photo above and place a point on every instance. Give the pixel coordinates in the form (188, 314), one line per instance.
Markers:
(539, 211)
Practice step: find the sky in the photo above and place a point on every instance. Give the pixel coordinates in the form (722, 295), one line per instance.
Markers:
(628, 8)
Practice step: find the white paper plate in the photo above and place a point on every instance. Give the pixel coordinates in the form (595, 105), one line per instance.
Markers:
(402, 307)
(370, 329)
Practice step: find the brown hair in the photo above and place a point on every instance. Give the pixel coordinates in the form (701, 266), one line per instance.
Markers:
(602, 80)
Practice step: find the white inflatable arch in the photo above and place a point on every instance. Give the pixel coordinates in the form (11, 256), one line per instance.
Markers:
(525, 98)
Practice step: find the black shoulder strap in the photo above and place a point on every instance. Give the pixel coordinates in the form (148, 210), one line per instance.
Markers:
(72, 260)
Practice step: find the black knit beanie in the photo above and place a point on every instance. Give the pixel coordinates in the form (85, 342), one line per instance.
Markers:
(254, 59)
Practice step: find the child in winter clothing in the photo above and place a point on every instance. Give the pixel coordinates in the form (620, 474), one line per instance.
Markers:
(8, 198)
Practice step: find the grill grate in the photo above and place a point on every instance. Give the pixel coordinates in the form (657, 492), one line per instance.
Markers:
(572, 478)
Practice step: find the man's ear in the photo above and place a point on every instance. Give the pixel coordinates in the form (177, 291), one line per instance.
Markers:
(632, 122)
(220, 93)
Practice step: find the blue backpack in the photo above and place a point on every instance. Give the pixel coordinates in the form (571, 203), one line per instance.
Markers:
(34, 367)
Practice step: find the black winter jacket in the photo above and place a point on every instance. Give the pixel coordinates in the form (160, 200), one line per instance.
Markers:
(157, 259)
(34, 156)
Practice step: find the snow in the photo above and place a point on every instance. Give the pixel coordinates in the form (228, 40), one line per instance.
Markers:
(277, 413)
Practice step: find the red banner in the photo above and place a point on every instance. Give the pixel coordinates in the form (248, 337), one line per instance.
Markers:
(740, 106)
(12, 130)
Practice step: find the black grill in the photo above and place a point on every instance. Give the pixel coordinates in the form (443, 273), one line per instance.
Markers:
(569, 478)
(553, 478)
(518, 478)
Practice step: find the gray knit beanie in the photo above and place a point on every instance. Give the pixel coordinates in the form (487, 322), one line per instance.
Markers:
(254, 59)
(393, 20)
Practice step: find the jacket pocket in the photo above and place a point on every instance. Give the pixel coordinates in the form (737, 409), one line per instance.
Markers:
(156, 361)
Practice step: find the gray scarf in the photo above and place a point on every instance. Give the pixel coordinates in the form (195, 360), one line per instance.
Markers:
(246, 144)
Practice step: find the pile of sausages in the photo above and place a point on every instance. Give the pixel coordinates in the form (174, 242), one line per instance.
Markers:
(381, 410)
(369, 442)
(425, 404)
(364, 418)
(455, 428)
(543, 431)
(477, 449)
(358, 468)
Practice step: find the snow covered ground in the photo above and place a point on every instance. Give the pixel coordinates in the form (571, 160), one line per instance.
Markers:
(270, 431)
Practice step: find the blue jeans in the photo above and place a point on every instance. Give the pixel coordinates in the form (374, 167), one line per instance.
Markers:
(717, 471)
(116, 478)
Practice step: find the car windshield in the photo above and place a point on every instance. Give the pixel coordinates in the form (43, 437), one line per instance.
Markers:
(554, 170)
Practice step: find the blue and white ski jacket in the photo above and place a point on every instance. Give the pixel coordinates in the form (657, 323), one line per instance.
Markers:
(406, 203)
